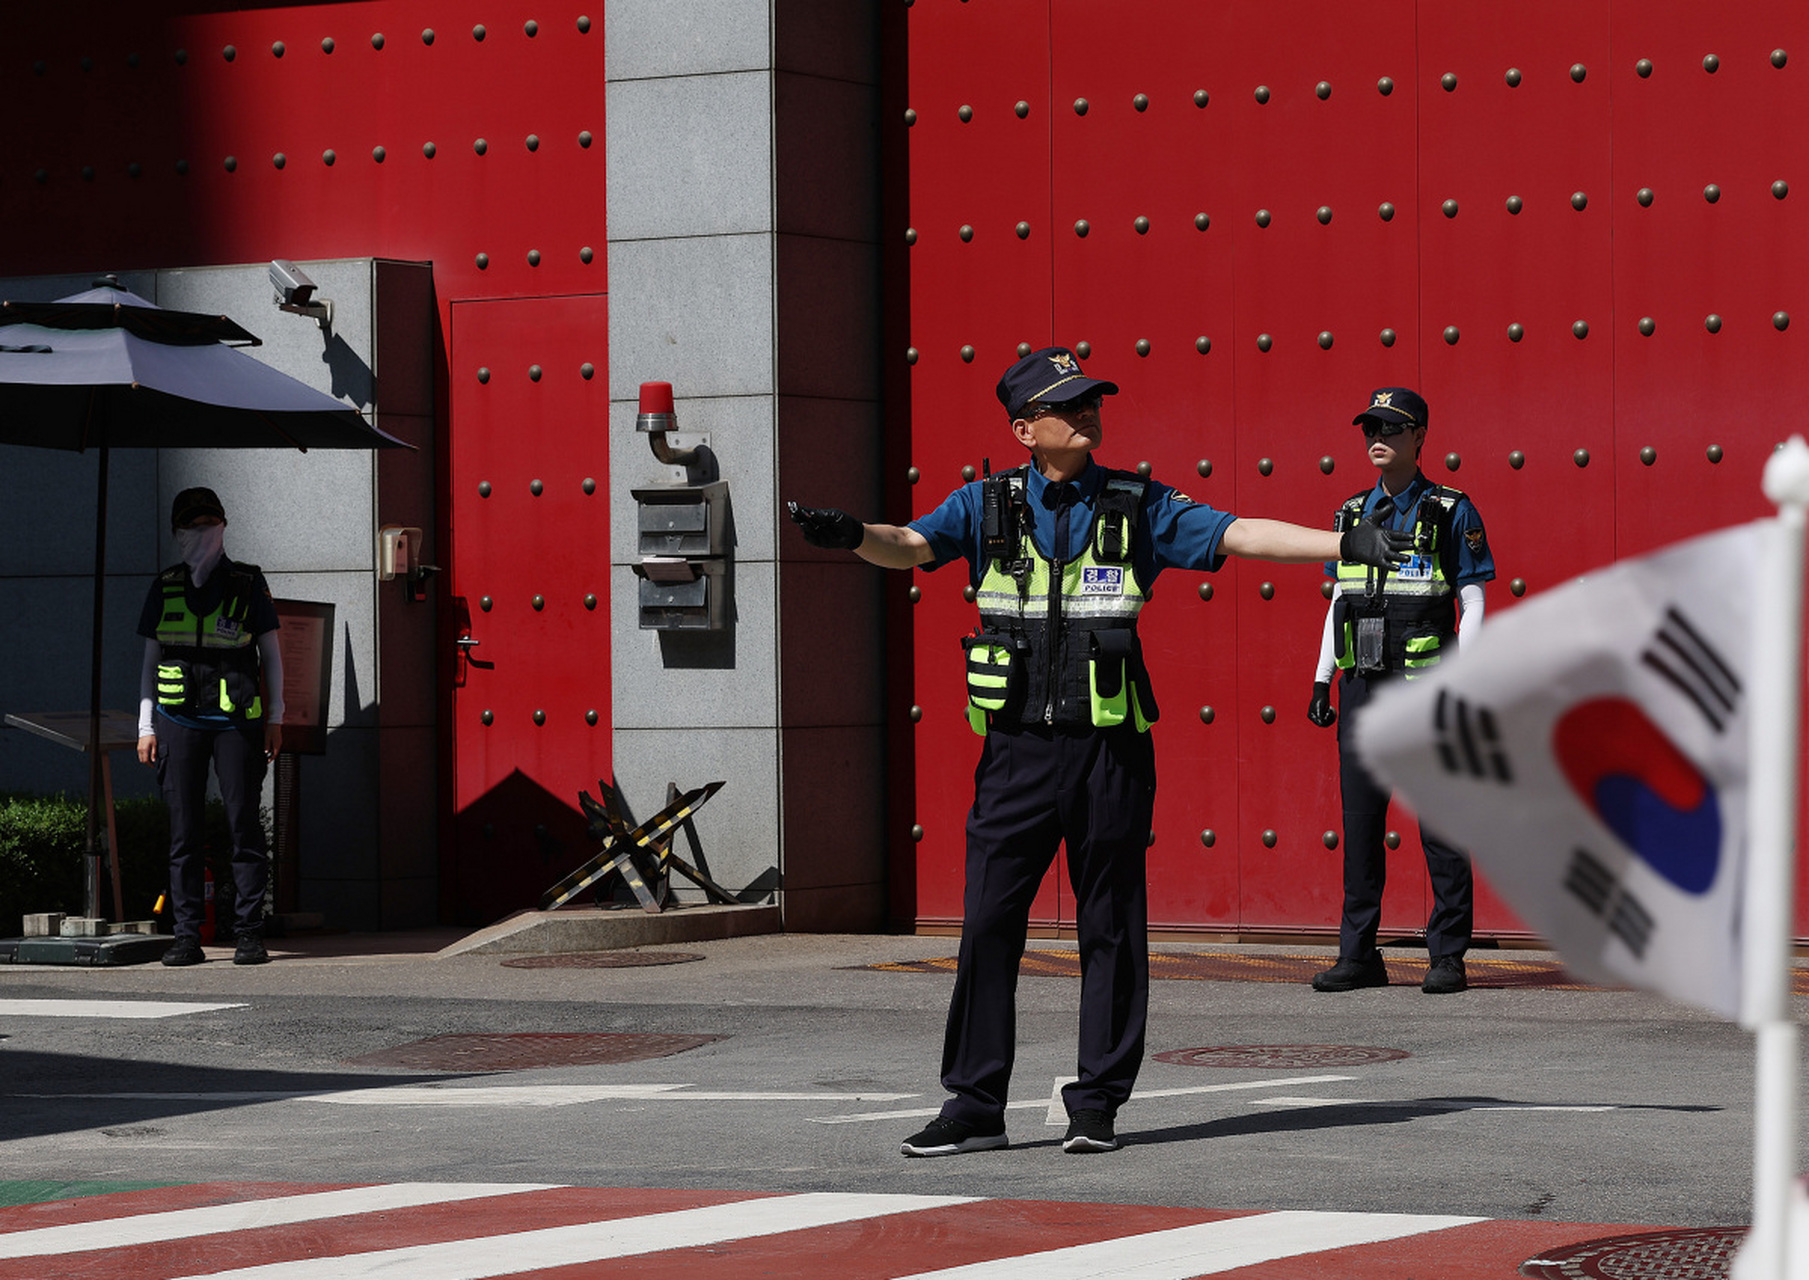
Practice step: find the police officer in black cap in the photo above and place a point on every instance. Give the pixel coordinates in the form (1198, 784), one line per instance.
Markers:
(1062, 554)
(1387, 623)
(211, 691)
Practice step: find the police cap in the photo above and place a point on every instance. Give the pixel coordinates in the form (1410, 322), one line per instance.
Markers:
(1047, 377)
(1395, 407)
(193, 503)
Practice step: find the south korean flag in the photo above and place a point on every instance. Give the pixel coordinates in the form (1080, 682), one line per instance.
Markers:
(1589, 747)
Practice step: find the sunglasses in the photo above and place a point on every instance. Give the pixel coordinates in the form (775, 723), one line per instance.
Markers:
(1373, 430)
(1077, 405)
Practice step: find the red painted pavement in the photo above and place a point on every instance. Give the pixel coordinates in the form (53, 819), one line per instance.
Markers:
(1491, 1250)
(878, 1248)
(904, 1243)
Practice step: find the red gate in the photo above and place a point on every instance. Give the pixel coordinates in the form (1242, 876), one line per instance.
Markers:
(1570, 225)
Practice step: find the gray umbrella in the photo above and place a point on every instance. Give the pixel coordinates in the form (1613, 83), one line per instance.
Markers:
(106, 368)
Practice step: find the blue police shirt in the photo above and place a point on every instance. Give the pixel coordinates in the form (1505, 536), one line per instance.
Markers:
(1475, 562)
(1173, 531)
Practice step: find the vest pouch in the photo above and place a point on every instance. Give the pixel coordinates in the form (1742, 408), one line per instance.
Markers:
(239, 696)
(1109, 677)
(1372, 645)
(1423, 653)
(172, 688)
(995, 671)
(1144, 711)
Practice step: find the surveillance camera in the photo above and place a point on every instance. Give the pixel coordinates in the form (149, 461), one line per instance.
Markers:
(293, 288)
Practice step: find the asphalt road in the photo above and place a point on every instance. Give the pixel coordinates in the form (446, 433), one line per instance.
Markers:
(1528, 1103)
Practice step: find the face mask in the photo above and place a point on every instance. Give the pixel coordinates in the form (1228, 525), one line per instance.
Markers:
(200, 548)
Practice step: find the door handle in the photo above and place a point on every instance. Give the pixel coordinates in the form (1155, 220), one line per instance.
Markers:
(465, 645)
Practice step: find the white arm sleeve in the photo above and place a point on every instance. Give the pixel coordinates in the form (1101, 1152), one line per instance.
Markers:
(1469, 608)
(147, 688)
(270, 653)
(1328, 665)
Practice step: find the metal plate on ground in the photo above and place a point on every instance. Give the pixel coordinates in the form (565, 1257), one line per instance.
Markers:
(1697, 1253)
(600, 960)
(528, 1050)
(1286, 1057)
(115, 949)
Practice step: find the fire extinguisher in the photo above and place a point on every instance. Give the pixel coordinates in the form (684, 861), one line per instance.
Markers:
(207, 905)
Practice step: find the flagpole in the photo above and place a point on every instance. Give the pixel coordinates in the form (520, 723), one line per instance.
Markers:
(1770, 869)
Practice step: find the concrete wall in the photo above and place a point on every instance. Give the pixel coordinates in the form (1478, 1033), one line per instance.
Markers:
(367, 838)
(743, 269)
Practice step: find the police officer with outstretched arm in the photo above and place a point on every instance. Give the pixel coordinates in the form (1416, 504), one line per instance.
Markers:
(1388, 623)
(1063, 553)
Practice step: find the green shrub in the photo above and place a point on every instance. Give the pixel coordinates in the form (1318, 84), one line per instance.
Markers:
(42, 839)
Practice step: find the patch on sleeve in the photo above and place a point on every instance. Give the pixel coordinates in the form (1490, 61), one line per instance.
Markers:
(1476, 540)
(1182, 499)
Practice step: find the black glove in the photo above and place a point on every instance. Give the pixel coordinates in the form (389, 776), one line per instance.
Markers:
(827, 527)
(1319, 710)
(1367, 542)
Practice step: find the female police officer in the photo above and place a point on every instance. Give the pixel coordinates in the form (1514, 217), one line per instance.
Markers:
(1394, 624)
(1063, 553)
(211, 689)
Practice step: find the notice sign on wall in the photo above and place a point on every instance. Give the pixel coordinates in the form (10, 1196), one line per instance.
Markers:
(306, 640)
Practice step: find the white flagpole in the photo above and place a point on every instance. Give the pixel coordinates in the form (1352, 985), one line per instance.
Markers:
(1771, 863)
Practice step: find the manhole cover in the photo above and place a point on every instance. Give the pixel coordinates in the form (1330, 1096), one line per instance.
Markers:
(1697, 1253)
(1284, 1056)
(600, 960)
(532, 1049)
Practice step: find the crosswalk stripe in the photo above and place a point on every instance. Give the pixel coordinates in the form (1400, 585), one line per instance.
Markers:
(1138, 1096)
(1203, 1250)
(105, 1008)
(243, 1215)
(541, 1095)
(502, 1255)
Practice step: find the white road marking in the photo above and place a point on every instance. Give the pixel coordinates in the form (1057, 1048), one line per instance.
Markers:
(542, 1095)
(104, 1008)
(587, 1242)
(1205, 1249)
(245, 1215)
(1058, 1110)
(1440, 1104)
(916, 1112)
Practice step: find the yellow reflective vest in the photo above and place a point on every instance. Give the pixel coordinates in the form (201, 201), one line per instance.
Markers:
(1057, 642)
(1409, 613)
(209, 663)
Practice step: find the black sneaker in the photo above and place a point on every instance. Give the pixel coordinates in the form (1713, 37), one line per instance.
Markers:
(1090, 1130)
(1445, 976)
(184, 950)
(1348, 975)
(250, 950)
(946, 1137)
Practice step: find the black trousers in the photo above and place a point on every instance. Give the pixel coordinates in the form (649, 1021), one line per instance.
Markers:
(1094, 791)
(237, 756)
(1453, 919)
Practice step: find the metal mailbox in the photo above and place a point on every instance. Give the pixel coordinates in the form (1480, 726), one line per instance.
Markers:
(682, 539)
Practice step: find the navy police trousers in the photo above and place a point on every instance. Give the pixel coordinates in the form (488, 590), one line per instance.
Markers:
(1449, 927)
(237, 756)
(1035, 788)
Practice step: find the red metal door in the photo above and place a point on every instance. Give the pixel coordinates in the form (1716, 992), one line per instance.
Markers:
(530, 562)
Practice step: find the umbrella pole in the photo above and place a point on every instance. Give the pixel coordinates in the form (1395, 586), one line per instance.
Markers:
(91, 863)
